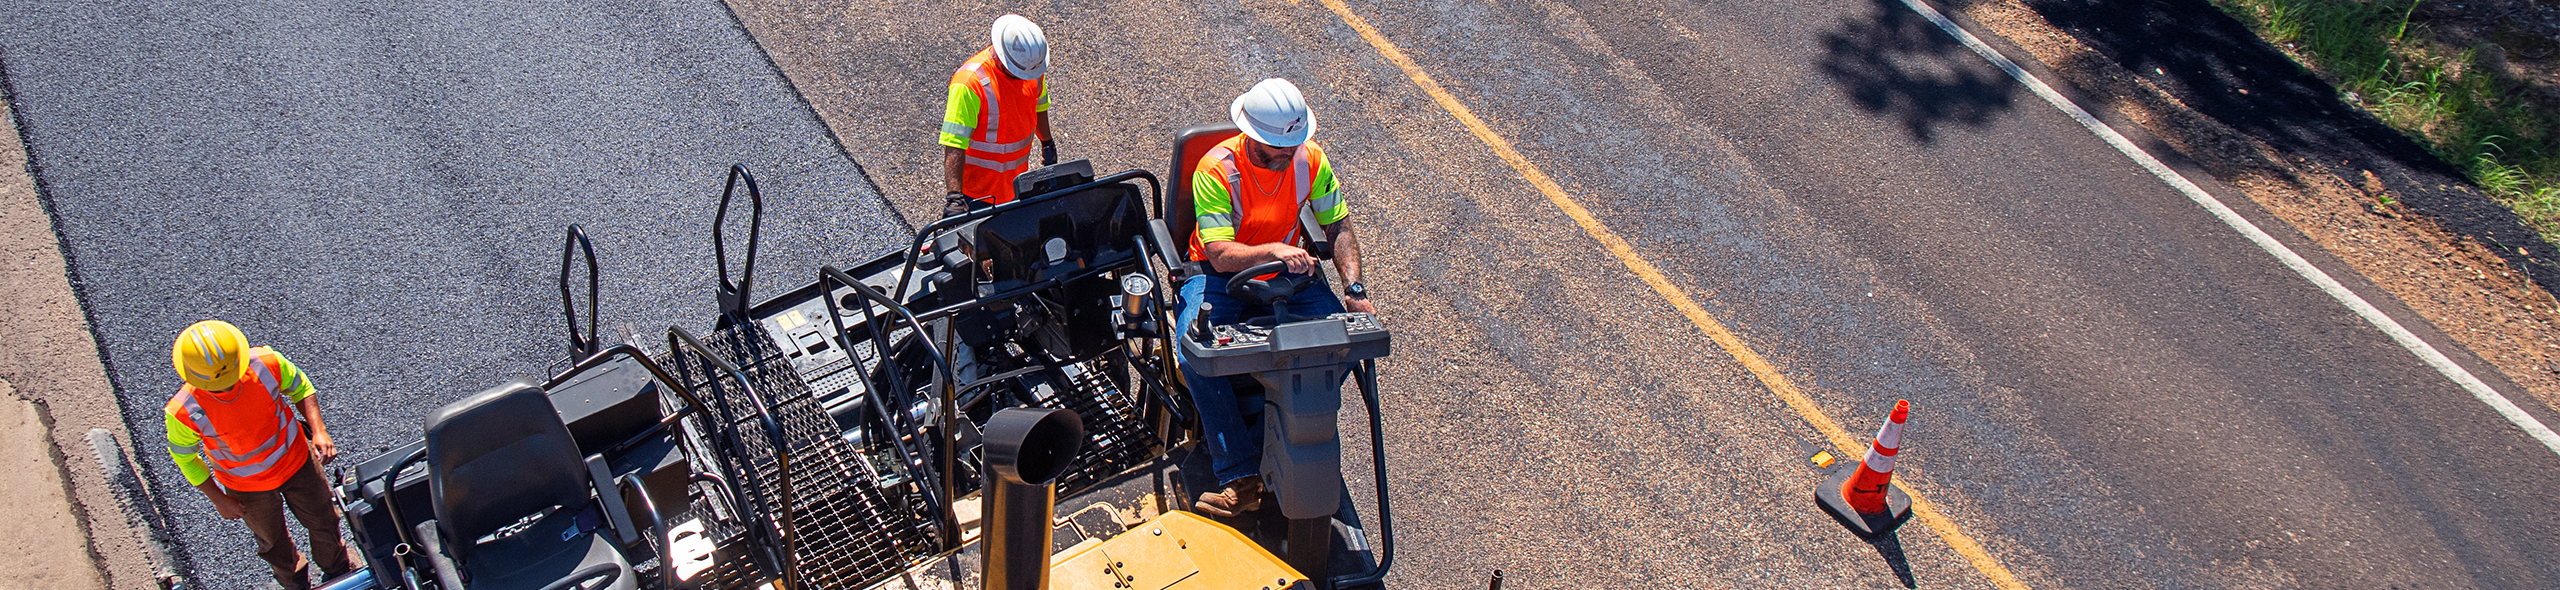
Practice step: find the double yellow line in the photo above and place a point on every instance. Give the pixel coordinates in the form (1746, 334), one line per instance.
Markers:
(1733, 345)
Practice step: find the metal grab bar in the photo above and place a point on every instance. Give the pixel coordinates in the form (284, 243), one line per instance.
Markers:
(1155, 190)
(580, 346)
(607, 354)
(677, 340)
(734, 297)
(944, 454)
(1368, 372)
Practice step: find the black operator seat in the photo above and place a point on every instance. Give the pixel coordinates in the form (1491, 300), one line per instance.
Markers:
(1181, 221)
(493, 460)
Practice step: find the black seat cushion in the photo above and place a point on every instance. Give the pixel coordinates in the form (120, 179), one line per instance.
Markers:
(548, 551)
(497, 457)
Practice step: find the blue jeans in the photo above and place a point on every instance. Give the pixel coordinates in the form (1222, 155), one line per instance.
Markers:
(1234, 452)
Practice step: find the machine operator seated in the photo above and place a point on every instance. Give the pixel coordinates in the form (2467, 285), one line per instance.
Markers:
(1247, 193)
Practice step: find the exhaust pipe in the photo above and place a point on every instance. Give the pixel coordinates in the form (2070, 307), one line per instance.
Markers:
(1027, 449)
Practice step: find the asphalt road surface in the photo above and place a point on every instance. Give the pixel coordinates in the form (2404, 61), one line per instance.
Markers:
(2110, 388)
(379, 190)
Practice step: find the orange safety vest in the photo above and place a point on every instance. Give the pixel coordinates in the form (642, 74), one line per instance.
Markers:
(1266, 201)
(252, 440)
(1008, 115)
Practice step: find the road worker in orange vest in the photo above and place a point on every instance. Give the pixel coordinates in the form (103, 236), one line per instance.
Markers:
(1247, 193)
(998, 103)
(246, 432)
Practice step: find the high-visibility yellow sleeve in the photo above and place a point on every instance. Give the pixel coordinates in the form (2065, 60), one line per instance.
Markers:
(186, 448)
(1217, 214)
(1326, 194)
(296, 385)
(960, 116)
(1044, 95)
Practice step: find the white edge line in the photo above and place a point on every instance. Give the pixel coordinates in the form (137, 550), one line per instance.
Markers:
(2426, 353)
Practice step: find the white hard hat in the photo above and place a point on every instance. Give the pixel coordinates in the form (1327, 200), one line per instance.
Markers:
(1020, 46)
(1274, 113)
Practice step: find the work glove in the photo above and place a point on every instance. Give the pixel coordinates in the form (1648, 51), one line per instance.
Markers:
(955, 204)
(1049, 153)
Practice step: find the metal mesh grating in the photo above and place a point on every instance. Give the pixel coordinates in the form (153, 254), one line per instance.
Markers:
(1118, 436)
(851, 533)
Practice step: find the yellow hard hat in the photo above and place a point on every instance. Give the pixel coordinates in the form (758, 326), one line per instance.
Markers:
(210, 355)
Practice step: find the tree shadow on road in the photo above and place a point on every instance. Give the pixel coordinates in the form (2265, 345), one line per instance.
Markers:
(1895, 63)
(2213, 64)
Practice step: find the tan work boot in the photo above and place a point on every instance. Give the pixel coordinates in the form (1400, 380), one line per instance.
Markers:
(1245, 495)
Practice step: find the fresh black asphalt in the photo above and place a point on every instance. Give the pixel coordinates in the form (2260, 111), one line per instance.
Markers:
(378, 190)
(2110, 388)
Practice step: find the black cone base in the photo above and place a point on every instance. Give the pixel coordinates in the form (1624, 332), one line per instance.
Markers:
(1866, 526)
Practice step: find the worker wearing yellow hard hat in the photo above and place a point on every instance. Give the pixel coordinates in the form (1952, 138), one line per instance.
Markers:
(996, 105)
(245, 430)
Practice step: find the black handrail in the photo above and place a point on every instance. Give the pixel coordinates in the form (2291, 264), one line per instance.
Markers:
(627, 351)
(586, 345)
(1043, 284)
(1155, 190)
(734, 297)
(943, 405)
(591, 361)
(677, 340)
(1368, 373)
(660, 540)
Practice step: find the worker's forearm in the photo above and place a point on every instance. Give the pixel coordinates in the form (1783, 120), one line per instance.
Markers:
(1044, 127)
(310, 406)
(211, 490)
(952, 160)
(1228, 256)
(1346, 251)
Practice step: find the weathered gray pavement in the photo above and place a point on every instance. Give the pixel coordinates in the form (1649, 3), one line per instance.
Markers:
(2111, 388)
(379, 190)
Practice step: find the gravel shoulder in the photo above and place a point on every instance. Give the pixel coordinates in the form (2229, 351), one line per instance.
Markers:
(2470, 282)
(56, 391)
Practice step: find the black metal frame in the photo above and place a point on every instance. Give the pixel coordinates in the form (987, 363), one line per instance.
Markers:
(735, 297)
(945, 459)
(586, 345)
(931, 231)
(782, 536)
(714, 392)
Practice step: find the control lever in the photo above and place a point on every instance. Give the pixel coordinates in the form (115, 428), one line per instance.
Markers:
(1200, 323)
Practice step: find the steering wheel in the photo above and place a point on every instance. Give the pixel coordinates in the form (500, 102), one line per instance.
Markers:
(602, 574)
(1271, 290)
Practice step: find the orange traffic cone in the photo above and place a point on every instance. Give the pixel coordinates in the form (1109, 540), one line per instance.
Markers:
(1862, 496)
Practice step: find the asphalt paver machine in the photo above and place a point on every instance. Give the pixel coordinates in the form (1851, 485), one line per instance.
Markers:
(848, 433)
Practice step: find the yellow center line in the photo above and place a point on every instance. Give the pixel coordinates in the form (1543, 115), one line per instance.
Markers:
(1732, 344)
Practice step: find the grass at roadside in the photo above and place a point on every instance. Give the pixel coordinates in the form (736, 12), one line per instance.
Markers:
(2457, 101)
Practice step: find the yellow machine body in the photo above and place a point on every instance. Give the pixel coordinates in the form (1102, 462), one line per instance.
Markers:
(1177, 551)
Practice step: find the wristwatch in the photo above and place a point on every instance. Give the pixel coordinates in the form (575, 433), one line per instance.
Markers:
(1356, 290)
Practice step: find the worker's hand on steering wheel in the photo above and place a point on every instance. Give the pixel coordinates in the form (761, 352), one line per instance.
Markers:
(1300, 262)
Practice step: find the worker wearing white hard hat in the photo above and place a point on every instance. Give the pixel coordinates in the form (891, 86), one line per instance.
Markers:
(1249, 192)
(997, 103)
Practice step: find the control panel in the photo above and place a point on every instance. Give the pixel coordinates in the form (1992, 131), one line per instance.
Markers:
(1241, 348)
